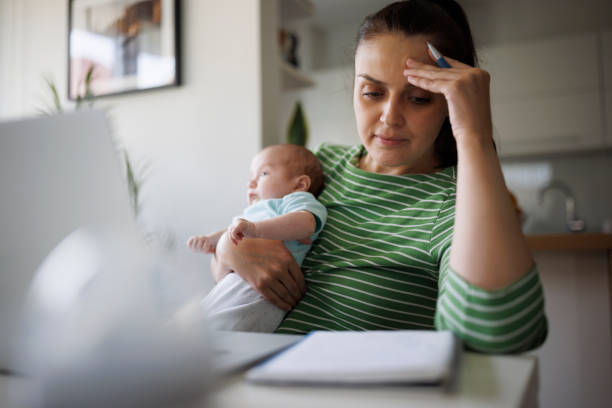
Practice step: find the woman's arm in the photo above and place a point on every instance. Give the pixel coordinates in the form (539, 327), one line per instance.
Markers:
(487, 234)
(488, 248)
(267, 266)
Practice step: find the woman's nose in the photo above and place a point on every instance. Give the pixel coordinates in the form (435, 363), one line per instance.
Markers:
(392, 115)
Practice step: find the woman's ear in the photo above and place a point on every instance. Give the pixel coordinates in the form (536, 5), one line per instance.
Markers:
(302, 183)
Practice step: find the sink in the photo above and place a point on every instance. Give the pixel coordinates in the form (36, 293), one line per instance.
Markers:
(546, 228)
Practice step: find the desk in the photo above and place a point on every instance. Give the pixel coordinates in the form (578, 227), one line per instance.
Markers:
(485, 381)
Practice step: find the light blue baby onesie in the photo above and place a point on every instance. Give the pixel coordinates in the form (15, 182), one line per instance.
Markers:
(233, 304)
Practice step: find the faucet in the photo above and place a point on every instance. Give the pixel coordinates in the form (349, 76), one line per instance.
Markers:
(574, 224)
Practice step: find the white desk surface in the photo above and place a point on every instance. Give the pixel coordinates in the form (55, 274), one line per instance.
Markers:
(484, 381)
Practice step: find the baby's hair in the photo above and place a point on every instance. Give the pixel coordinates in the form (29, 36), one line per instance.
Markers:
(303, 161)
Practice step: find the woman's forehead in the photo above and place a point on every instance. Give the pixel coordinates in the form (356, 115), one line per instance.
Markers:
(391, 48)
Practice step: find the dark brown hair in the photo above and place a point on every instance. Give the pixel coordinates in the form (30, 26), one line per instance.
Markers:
(446, 25)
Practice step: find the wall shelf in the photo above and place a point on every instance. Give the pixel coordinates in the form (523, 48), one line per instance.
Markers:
(296, 9)
(292, 78)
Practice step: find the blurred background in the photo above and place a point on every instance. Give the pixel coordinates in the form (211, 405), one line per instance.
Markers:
(246, 63)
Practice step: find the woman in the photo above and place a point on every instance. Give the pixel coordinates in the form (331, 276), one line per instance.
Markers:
(421, 231)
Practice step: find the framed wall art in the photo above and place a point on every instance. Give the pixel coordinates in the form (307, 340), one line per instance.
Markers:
(120, 46)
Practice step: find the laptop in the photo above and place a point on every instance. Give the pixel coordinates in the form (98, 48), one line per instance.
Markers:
(58, 174)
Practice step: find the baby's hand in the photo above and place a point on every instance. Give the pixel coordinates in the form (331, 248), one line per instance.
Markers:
(241, 229)
(201, 243)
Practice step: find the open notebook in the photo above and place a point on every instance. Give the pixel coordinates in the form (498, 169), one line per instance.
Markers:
(370, 357)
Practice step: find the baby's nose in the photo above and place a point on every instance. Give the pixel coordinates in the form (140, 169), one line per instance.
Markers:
(252, 183)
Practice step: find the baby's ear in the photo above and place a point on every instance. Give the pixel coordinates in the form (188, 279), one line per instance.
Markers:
(302, 183)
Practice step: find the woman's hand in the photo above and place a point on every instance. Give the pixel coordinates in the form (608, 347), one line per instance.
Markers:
(466, 90)
(267, 266)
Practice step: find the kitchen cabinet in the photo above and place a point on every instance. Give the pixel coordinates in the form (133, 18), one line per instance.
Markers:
(575, 362)
(547, 94)
(606, 47)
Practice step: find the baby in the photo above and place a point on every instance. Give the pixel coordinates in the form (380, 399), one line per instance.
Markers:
(284, 181)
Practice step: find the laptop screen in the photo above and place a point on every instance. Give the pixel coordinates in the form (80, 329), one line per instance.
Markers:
(56, 174)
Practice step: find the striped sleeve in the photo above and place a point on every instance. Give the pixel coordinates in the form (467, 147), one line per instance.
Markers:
(506, 320)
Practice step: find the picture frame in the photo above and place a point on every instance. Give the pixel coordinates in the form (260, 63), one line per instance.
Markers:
(122, 46)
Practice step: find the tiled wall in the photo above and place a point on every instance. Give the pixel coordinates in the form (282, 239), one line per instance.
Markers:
(588, 176)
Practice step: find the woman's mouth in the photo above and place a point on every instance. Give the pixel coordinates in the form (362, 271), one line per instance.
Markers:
(390, 140)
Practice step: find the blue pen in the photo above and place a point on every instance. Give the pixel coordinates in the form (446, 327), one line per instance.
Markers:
(439, 58)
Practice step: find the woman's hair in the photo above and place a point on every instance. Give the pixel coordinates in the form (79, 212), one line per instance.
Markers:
(446, 25)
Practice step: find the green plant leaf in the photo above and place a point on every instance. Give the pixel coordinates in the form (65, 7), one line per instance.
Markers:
(57, 104)
(133, 184)
(87, 94)
(297, 133)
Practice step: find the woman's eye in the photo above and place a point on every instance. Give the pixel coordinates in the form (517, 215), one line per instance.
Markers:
(419, 101)
(373, 95)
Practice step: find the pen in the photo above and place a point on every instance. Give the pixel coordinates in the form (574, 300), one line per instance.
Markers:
(439, 58)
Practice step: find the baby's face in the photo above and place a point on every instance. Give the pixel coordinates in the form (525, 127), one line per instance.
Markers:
(270, 177)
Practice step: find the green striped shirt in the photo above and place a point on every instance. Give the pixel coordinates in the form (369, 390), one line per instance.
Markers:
(382, 262)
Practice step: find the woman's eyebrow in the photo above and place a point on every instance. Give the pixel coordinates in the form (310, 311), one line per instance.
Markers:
(381, 83)
(369, 78)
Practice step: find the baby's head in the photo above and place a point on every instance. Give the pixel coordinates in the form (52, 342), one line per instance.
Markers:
(283, 169)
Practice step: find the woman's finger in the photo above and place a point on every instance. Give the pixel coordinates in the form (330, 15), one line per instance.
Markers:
(272, 297)
(298, 277)
(412, 63)
(281, 292)
(436, 73)
(292, 286)
(435, 86)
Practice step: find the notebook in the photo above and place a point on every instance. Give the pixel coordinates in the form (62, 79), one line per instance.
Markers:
(370, 357)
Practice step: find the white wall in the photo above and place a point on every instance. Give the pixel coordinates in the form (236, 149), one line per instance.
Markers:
(328, 108)
(197, 139)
